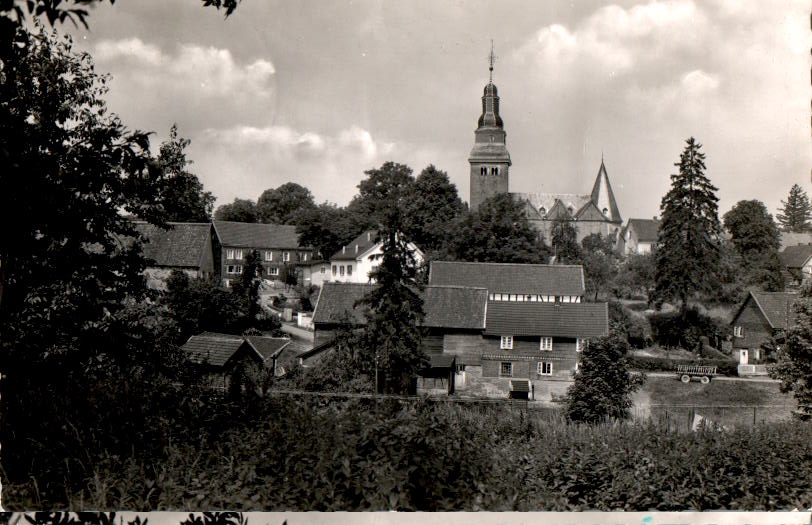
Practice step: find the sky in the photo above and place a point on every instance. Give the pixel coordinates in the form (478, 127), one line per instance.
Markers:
(317, 92)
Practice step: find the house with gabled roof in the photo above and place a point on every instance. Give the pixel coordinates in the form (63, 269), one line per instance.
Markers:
(503, 326)
(219, 355)
(796, 261)
(639, 236)
(183, 246)
(354, 262)
(277, 244)
(756, 321)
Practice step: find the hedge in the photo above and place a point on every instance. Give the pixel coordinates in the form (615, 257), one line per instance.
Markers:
(725, 367)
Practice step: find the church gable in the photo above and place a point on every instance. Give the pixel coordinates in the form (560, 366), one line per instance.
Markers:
(590, 212)
(561, 211)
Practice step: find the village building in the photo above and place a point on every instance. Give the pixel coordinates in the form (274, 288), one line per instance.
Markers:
(183, 246)
(757, 320)
(354, 262)
(596, 212)
(490, 329)
(220, 355)
(796, 263)
(639, 236)
(277, 245)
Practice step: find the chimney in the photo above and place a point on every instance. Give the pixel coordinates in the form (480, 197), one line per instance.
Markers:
(369, 236)
(343, 249)
(356, 248)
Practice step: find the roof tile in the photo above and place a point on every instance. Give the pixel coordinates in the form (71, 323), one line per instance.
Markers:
(551, 319)
(510, 278)
(182, 245)
(256, 235)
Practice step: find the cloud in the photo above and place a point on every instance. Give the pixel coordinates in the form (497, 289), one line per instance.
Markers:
(638, 80)
(196, 86)
(243, 161)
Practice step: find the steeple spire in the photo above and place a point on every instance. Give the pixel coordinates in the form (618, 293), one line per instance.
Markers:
(491, 60)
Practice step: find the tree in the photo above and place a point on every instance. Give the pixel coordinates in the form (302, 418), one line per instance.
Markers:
(600, 262)
(794, 357)
(327, 227)
(370, 207)
(636, 276)
(688, 259)
(284, 204)
(241, 210)
(497, 232)
(392, 336)
(795, 213)
(247, 286)
(756, 239)
(433, 209)
(564, 241)
(199, 305)
(603, 386)
(182, 195)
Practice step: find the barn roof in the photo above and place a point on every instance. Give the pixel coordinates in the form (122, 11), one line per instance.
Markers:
(212, 348)
(182, 245)
(268, 347)
(337, 300)
(775, 306)
(646, 229)
(256, 235)
(454, 307)
(551, 319)
(559, 279)
(795, 256)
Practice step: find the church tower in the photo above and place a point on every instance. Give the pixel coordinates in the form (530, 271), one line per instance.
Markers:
(489, 158)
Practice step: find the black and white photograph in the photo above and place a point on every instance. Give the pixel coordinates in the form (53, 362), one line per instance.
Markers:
(263, 257)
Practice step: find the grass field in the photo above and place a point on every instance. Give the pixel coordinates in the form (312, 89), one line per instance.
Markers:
(734, 401)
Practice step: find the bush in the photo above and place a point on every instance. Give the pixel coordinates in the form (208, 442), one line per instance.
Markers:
(628, 326)
(725, 367)
(673, 330)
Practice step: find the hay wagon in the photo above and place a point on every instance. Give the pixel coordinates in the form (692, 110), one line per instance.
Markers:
(704, 373)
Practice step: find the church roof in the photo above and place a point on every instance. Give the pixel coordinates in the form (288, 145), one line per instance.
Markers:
(548, 201)
(603, 196)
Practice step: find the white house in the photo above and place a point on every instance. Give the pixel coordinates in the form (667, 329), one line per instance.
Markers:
(638, 236)
(354, 262)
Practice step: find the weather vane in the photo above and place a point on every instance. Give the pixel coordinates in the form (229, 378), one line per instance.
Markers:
(491, 59)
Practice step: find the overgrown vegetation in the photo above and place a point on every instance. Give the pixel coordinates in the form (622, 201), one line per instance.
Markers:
(415, 455)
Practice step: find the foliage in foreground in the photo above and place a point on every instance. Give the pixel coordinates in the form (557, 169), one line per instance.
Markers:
(423, 456)
(794, 358)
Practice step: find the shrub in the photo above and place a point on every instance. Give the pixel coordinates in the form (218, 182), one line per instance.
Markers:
(673, 330)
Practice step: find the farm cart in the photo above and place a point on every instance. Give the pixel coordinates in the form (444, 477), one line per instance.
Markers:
(704, 373)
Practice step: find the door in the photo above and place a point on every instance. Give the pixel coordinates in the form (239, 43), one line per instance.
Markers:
(743, 356)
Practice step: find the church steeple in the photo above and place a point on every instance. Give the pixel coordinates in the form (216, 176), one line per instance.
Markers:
(604, 197)
(489, 158)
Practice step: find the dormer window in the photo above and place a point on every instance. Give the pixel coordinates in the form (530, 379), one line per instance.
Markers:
(606, 211)
(570, 209)
(542, 211)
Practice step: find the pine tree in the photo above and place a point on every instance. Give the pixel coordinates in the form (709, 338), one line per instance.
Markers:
(795, 213)
(689, 232)
(392, 337)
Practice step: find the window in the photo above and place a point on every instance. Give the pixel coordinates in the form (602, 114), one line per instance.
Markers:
(233, 269)
(546, 344)
(227, 283)
(483, 170)
(269, 256)
(505, 369)
(273, 271)
(238, 254)
(545, 368)
(323, 269)
(304, 257)
(494, 171)
(506, 342)
(349, 270)
(335, 269)
(580, 345)
(229, 254)
(542, 211)
(286, 256)
(737, 331)
(490, 297)
(341, 270)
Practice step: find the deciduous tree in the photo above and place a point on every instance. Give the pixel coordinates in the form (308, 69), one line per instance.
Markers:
(600, 263)
(432, 209)
(497, 232)
(564, 240)
(794, 358)
(241, 210)
(182, 195)
(688, 258)
(284, 204)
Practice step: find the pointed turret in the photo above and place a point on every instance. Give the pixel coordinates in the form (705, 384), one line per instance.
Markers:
(604, 197)
(489, 157)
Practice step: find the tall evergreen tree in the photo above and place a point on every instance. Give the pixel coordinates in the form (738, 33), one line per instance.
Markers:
(794, 214)
(392, 337)
(689, 232)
